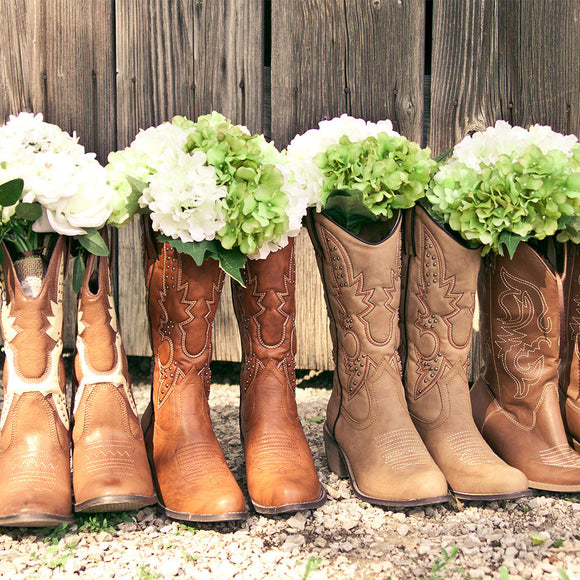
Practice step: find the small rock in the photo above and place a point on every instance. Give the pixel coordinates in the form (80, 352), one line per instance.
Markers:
(403, 530)
(297, 522)
(169, 568)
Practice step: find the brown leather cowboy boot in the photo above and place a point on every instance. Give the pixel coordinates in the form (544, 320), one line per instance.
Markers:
(570, 370)
(369, 435)
(440, 282)
(191, 474)
(515, 399)
(110, 467)
(279, 466)
(34, 441)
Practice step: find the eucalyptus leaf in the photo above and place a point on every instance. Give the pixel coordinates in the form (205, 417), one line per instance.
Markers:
(231, 262)
(28, 211)
(78, 273)
(93, 242)
(346, 207)
(11, 192)
(510, 241)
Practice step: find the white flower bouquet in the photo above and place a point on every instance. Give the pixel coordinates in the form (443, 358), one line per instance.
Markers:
(508, 184)
(210, 188)
(359, 172)
(48, 184)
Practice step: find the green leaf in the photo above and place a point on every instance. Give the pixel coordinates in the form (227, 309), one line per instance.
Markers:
(510, 241)
(93, 242)
(346, 207)
(11, 192)
(536, 539)
(28, 211)
(230, 261)
(563, 574)
(78, 273)
(503, 573)
(137, 186)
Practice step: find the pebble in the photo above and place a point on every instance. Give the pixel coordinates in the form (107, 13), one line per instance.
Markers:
(343, 539)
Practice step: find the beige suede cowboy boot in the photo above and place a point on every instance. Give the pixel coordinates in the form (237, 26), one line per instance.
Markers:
(515, 399)
(570, 370)
(439, 286)
(280, 470)
(110, 467)
(34, 441)
(192, 477)
(369, 434)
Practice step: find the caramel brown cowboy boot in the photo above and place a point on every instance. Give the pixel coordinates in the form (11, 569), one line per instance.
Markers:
(280, 470)
(570, 370)
(192, 477)
(34, 441)
(515, 399)
(110, 467)
(369, 435)
(439, 286)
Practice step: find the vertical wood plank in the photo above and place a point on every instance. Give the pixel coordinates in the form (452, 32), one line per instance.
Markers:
(362, 57)
(57, 58)
(182, 57)
(516, 60)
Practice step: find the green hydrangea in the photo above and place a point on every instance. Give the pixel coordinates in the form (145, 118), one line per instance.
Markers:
(390, 171)
(518, 197)
(245, 164)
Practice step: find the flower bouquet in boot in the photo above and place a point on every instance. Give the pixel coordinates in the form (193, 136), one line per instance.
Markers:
(359, 177)
(516, 192)
(51, 192)
(214, 195)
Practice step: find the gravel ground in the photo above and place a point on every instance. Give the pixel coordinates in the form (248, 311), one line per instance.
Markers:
(535, 537)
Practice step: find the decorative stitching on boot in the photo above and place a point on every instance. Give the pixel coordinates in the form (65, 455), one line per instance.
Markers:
(401, 449)
(560, 456)
(198, 461)
(523, 362)
(467, 447)
(110, 456)
(275, 452)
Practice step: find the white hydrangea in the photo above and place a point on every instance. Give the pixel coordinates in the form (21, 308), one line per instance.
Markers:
(303, 148)
(184, 198)
(503, 139)
(69, 184)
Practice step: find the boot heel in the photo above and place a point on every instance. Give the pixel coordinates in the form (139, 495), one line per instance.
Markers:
(333, 455)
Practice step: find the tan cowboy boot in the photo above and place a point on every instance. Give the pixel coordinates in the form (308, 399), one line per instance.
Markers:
(279, 466)
(570, 370)
(369, 434)
(439, 286)
(515, 399)
(110, 467)
(34, 440)
(192, 477)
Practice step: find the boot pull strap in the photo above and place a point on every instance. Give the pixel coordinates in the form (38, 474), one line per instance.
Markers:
(560, 279)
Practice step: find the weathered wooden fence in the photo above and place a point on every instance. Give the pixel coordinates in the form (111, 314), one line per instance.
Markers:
(438, 69)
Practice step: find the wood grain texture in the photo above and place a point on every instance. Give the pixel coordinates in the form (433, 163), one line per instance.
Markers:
(517, 60)
(361, 57)
(182, 57)
(57, 58)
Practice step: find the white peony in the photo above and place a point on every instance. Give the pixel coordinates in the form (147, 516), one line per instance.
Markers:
(69, 184)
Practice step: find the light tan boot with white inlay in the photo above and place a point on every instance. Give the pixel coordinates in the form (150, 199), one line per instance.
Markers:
(110, 466)
(34, 440)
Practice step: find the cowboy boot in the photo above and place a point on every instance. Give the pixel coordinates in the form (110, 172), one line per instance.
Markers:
(191, 475)
(440, 282)
(110, 467)
(368, 433)
(34, 439)
(280, 470)
(570, 375)
(515, 399)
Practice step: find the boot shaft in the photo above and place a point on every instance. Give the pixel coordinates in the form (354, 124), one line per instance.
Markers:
(32, 332)
(521, 302)
(266, 314)
(100, 356)
(182, 302)
(440, 283)
(362, 282)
